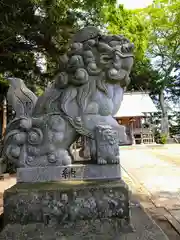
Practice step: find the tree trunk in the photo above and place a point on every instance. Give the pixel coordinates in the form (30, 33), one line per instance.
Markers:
(164, 118)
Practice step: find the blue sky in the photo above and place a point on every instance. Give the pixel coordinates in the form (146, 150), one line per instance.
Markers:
(132, 4)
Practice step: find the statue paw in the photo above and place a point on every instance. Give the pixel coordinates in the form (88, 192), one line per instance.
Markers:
(101, 161)
(63, 157)
(115, 160)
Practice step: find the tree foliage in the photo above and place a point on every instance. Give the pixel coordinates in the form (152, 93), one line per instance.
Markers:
(164, 48)
(155, 32)
(133, 25)
(129, 23)
(31, 30)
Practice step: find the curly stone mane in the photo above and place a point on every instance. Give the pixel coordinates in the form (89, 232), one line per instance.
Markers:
(89, 64)
(92, 61)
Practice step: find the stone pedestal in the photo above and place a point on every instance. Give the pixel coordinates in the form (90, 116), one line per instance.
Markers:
(68, 203)
(72, 172)
(2, 166)
(94, 210)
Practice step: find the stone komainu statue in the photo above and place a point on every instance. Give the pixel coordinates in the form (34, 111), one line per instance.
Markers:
(85, 94)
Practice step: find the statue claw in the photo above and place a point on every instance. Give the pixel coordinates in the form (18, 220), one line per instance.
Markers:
(115, 160)
(101, 161)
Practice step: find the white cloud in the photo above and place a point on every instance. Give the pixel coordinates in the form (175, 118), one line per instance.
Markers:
(132, 4)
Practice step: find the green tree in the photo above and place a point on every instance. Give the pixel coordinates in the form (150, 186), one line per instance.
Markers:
(144, 77)
(33, 28)
(131, 24)
(155, 32)
(163, 19)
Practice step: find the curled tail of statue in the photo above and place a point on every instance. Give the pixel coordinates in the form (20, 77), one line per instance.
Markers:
(21, 98)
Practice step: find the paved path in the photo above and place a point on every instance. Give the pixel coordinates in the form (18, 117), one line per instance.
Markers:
(161, 179)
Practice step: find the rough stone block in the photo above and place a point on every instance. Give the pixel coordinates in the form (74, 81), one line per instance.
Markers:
(100, 229)
(2, 166)
(64, 202)
(71, 172)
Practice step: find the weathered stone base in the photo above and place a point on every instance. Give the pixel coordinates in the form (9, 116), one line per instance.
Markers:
(67, 202)
(144, 229)
(71, 172)
(2, 166)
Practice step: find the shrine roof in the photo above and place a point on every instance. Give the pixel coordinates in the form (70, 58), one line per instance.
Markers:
(136, 104)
